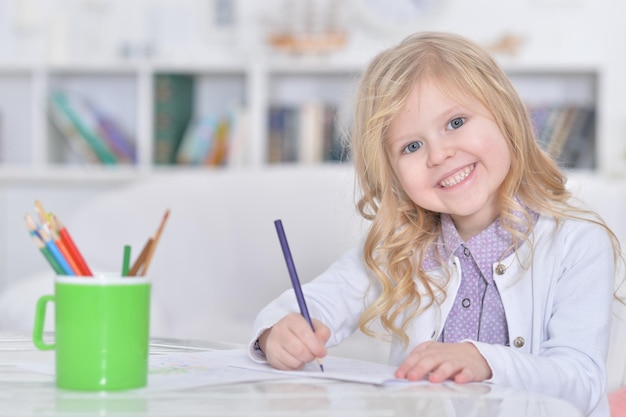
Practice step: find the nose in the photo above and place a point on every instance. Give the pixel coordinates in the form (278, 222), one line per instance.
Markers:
(438, 151)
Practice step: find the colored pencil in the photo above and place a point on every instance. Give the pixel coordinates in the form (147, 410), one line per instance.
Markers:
(43, 218)
(66, 255)
(126, 260)
(50, 245)
(295, 281)
(141, 258)
(155, 242)
(46, 253)
(62, 246)
(72, 249)
(54, 250)
(46, 220)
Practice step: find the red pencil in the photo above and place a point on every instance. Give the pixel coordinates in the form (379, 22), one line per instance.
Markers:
(72, 249)
(67, 255)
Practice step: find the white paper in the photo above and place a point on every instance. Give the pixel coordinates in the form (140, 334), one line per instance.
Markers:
(339, 368)
(174, 371)
(182, 370)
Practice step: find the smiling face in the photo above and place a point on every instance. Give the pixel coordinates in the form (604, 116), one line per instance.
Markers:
(449, 158)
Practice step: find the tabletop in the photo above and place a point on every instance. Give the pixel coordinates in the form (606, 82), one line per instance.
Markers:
(27, 392)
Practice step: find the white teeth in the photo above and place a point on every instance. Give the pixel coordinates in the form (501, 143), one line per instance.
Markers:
(457, 178)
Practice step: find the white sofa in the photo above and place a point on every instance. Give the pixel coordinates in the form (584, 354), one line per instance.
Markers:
(219, 260)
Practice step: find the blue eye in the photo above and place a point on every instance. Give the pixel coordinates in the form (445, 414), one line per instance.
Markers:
(412, 147)
(456, 123)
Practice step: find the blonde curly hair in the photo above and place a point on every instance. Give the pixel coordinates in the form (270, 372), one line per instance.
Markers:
(400, 230)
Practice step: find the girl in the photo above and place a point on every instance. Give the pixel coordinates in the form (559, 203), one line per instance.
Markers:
(476, 262)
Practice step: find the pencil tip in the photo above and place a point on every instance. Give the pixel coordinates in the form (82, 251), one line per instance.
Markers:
(322, 367)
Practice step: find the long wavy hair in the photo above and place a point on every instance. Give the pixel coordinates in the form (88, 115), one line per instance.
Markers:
(400, 230)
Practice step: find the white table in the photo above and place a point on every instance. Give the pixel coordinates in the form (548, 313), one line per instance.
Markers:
(28, 393)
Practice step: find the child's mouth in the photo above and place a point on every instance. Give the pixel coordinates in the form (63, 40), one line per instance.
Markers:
(457, 177)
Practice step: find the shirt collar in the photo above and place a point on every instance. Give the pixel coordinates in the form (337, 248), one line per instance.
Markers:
(494, 239)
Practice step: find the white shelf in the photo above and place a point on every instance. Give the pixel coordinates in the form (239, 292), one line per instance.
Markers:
(30, 150)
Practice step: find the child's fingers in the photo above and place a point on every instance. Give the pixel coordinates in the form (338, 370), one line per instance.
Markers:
(445, 370)
(313, 343)
(441, 361)
(291, 342)
(465, 376)
(285, 360)
(417, 365)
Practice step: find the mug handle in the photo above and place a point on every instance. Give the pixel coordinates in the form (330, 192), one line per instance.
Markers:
(40, 319)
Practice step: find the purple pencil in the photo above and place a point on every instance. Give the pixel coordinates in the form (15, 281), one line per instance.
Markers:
(295, 282)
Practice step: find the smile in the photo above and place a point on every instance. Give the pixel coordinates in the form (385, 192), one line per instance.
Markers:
(457, 178)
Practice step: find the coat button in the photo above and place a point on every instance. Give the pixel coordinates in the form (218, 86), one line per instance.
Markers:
(500, 269)
(466, 303)
(519, 342)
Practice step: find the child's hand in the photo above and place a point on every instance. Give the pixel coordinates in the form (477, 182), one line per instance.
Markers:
(291, 343)
(461, 362)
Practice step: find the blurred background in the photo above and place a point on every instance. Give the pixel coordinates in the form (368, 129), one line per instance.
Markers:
(100, 95)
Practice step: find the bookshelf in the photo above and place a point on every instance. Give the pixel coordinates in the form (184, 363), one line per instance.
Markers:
(32, 147)
(563, 105)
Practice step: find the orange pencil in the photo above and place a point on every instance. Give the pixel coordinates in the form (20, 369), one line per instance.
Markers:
(72, 249)
(155, 238)
(141, 258)
(67, 255)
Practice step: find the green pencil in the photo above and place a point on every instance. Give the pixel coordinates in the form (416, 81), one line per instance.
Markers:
(46, 253)
(126, 260)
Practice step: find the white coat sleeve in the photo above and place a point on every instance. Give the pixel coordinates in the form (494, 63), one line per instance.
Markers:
(569, 361)
(337, 298)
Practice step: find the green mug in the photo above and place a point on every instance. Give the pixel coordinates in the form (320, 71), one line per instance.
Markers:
(101, 331)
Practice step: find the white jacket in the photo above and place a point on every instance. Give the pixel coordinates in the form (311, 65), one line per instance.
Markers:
(557, 304)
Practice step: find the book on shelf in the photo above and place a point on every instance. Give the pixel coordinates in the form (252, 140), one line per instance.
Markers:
(173, 112)
(311, 133)
(118, 140)
(334, 148)
(215, 140)
(196, 141)
(283, 134)
(561, 129)
(81, 126)
(275, 126)
(78, 147)
(238, 153)
(567, 133)
(216, 154)
(579, 150)
(307, 133)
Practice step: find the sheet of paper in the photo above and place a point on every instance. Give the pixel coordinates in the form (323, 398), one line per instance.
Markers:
(175, 371)
(181, 370)
(344, 369)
